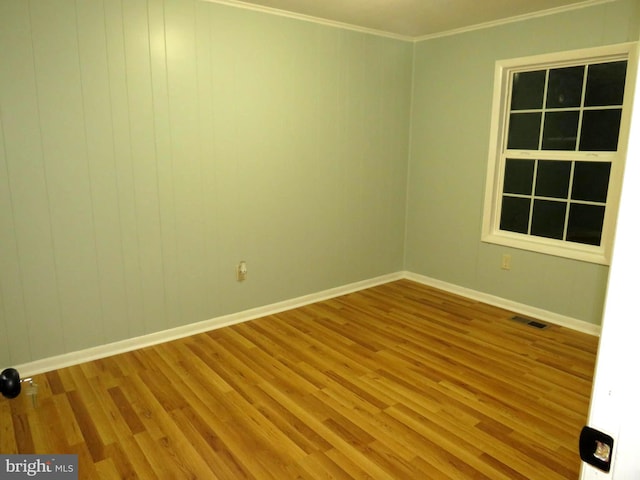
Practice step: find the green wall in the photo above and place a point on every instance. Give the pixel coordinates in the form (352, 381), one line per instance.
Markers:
(146, 147)
(453, 88)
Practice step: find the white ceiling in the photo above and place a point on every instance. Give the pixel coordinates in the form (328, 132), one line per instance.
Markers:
(413, 18)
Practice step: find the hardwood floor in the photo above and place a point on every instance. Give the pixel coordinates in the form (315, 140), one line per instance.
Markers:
(398, 381)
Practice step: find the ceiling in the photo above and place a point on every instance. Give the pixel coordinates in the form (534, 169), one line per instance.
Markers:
(413, 18)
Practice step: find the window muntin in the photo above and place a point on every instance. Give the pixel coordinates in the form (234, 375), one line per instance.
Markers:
(555, 199)
(559, 131)
(567, 108)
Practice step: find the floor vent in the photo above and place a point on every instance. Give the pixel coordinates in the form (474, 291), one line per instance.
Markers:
(528, 321)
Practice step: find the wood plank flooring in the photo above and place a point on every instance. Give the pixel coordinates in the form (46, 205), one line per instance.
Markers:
(399, 381)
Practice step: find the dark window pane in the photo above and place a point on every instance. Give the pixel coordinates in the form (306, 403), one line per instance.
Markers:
(591, 181)
(552, 179)
(528, 89)
(565, 87)
(585, 224)
(524, 131)
(560, 130)
(518, 176)
(548, 219)
(605, 84)
(600, 130)
(515, 214)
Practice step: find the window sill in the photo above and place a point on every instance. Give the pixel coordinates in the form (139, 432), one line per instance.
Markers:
(574, 251)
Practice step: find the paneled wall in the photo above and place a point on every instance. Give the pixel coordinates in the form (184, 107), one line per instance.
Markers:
(147, 146)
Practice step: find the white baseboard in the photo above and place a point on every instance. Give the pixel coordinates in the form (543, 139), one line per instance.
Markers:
(73, 358)
(521, 308)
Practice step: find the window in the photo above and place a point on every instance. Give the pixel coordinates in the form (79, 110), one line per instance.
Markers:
(558, 136)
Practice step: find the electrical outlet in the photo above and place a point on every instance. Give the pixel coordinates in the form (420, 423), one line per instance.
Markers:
(506, 262)
(241, 271)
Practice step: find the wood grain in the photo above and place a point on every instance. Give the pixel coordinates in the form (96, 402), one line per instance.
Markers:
(399, 381)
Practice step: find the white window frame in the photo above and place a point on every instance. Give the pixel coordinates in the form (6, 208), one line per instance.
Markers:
(498, 153)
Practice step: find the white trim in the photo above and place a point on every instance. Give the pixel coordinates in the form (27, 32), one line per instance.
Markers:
(558, 248)
(312, 19)
(81, 356)
(122, 346)
(497, 154)
(517, 18)
(407, 38)
(521, 308)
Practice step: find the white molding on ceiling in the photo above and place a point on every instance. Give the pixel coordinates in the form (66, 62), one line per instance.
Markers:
(517, 18)
(312, 19)
(406, 38)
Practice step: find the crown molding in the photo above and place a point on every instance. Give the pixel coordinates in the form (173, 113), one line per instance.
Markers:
(311, 19)
(407, 38)
(517, 18)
